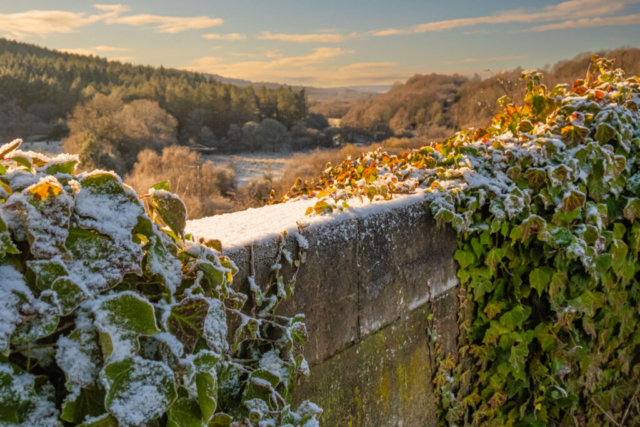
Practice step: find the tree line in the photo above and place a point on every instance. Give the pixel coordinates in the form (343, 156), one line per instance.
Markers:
(40, 87)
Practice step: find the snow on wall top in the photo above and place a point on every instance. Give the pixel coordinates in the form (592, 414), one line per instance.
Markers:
(239, 229)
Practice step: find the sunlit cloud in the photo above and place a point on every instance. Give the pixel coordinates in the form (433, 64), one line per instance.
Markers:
(43, 23)
(307, 38)
(228, 37)
(168, 24)
(589, 22)
(79, 51)
(122, 58)
(489, 59)
(571, 9)
(311, 69)
(109, 49)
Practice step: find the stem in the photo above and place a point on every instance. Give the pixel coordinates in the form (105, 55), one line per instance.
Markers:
(604, 412)
(624, 417)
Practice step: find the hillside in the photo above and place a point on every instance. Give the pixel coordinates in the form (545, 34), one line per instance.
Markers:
(39, 87)
(434, 105)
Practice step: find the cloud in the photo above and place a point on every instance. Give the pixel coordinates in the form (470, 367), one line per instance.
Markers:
(168, 24)
(44, 23)
(122, 58)
(228, 37)
(360, 66)
(571, 9)
(311, 69)
(307, 38)
(109, 49)
(78, 51)
(589, 22)
(492, 58)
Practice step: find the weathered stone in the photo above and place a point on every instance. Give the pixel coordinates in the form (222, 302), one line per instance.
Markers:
(365, 292)
(385, 379)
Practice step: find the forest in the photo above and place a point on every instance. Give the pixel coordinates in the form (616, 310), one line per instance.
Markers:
(40, 87)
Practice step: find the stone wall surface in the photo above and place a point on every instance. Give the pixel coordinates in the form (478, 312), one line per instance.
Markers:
(365, 291)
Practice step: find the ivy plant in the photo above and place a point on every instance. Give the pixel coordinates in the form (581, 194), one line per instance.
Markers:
(110, 315)
(546, 204)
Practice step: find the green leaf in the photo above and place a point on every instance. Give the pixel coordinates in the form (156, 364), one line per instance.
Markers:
(605, 133)
(532, 225)
(220, 420)
(465, 258)
(38, 326)
(170, 209)
(540, 278)
(184, 413)
(162, 185)
(89, 250)
(103, 421)
(573, 200)
(632, 210)
(64, 168)
(128, 381)
(124, 317)
(89, 403)
(535, 176)
(514, 318)
(186, 321)
(574, 135)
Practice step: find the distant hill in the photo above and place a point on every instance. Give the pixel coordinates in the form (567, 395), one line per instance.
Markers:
(315, 94)
(436, 105)
(39, 87)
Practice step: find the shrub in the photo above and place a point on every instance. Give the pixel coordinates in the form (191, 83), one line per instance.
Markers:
(204, 188)
(111, 316)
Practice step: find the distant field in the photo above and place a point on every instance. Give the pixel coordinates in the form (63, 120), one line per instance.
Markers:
(46, 147)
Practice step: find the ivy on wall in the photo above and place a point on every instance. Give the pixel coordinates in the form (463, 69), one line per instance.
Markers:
(546, 202)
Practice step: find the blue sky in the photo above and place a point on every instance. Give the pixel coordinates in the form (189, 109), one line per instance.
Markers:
(327, 43)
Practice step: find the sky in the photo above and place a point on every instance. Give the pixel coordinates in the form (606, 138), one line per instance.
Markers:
(327, 43)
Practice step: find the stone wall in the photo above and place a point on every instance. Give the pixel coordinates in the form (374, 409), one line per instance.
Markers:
(365, 292)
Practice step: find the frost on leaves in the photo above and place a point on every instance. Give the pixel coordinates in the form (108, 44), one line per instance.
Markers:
(111, 316)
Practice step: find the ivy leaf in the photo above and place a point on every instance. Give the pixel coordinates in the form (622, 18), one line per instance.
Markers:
(7, 149)
(103, 421)
(573, 200)
(123, 317)
(514, 318)
(540, 278)
(162, 185)
(494, 257)
(170, 209)
(492, 309)
(202, 382)
(136, 380)
(184, 413)
(464, 257)
(574, 135)
(588, 302)
(89, 403)
(605, 133)
(532, 225)
(88, 251)
(632, 210)
(535, 176)
(61, 167)
(220, 420)
(186, 321)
